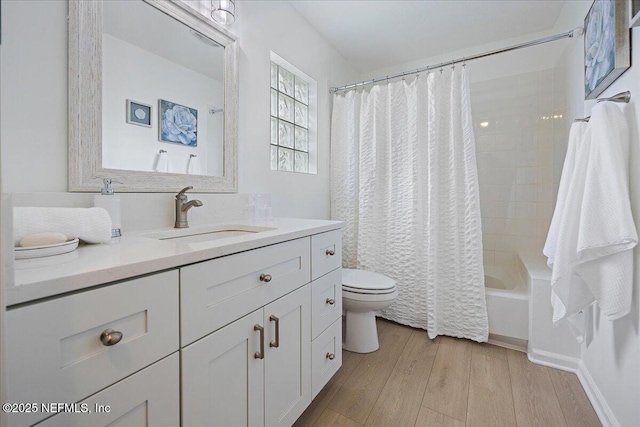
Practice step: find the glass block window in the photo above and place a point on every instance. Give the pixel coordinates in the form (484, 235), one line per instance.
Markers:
(289, 121)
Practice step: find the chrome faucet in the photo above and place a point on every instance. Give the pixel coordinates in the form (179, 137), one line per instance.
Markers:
(182, 207)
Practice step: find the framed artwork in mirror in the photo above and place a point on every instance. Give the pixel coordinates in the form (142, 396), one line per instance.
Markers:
(178, 124)
(607, 46)
(138, 113)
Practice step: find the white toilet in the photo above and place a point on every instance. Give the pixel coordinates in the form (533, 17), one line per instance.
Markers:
(364, 293)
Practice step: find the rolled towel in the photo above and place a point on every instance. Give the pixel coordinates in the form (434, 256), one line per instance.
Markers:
(91, 225)
(163, 164)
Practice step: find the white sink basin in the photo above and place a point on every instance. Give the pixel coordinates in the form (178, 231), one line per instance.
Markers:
(207, 233)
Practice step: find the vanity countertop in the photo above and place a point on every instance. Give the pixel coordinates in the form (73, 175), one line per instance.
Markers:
(137, 254)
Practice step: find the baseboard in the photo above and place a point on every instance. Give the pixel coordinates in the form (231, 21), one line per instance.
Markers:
(604, 412)
(554, 360)
(508, 342)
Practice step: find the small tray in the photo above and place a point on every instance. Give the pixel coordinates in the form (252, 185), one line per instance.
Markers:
(31, 252)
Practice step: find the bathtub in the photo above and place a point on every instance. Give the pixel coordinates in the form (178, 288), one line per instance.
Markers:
(507, 306)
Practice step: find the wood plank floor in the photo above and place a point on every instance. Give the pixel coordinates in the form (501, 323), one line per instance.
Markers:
(414, 381)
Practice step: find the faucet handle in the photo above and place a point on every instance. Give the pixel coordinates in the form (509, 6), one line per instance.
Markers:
(184, 190)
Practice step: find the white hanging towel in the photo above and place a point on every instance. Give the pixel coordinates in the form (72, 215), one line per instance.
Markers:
(163, 164)
(193, 168)
(593, 258)
(575, 138)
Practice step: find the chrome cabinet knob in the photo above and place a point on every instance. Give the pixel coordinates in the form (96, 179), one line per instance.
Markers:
(331, 301)
(265, 278)
(330, 252)
(331, 356)
(109, 337)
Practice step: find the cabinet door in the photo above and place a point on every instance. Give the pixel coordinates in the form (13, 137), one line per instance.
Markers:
(287, 375)
(150, 397)
(222, 379)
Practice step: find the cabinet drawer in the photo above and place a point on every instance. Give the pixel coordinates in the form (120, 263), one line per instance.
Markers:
(326, 301)
(322, 366)
(326, 253)
(149, 398)
(55, 352)
(217, 292)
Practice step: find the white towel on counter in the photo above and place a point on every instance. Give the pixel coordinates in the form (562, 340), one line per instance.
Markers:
(575, 138)
(163, 164)
(596, 234)
(193, 168)
(91, 225)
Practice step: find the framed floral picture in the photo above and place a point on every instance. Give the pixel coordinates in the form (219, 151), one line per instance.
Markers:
(178, 124)
(607, 47)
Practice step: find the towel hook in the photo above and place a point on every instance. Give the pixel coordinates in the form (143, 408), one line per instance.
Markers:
(192, 156)
(163, 151)
(624, 97)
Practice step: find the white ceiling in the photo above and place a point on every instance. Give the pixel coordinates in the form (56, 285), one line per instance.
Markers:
(378, 34)
(150, 29)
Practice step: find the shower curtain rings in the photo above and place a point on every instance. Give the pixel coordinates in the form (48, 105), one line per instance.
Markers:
(453, 65)
(464, 62)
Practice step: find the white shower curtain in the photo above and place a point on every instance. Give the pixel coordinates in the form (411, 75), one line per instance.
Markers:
(404, 178)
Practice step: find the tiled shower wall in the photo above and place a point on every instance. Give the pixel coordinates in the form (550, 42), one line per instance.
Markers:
(514, 120)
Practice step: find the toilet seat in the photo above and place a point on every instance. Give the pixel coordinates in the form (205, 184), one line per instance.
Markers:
(366, 282)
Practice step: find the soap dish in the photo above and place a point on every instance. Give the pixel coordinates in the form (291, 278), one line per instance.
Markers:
(30, 252)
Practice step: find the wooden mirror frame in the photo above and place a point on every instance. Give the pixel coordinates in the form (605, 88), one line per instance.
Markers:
(85, 106)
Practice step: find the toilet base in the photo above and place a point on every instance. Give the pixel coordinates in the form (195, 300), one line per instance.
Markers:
(361, 332)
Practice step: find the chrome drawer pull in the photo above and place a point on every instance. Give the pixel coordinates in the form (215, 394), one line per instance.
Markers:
(265, 278)
(110, 337)
(330, 252)
(331, 356)
(259, 354)
(331, 301)
(275, 343)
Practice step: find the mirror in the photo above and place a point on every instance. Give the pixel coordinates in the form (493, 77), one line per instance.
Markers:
(153, 98)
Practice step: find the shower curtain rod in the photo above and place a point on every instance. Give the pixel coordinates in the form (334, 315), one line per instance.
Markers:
(576, 32)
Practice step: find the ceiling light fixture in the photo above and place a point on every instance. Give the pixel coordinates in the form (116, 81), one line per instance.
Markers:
(223, 11)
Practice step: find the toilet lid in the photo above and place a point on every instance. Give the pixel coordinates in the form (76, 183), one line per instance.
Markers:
(362, 281)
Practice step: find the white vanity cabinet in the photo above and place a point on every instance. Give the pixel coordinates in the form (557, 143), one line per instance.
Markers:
(244, 339)
(255, 371)
(55, 352)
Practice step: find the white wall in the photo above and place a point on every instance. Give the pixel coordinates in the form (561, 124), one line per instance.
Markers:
(33, 96)
(268, 25)
(130, 72)
(34, 99)
(536, 58)
(611, 352)
(514, 155)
